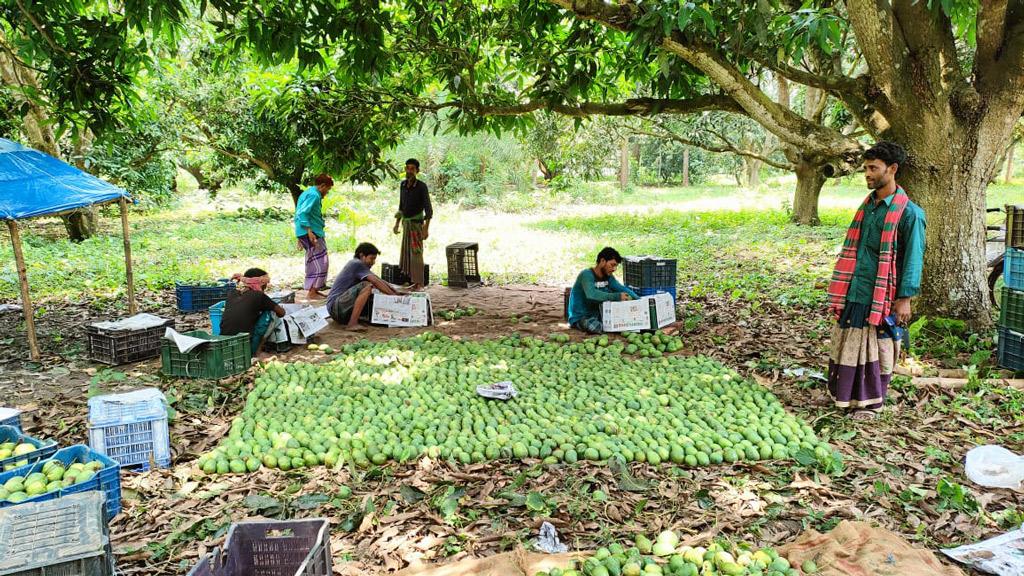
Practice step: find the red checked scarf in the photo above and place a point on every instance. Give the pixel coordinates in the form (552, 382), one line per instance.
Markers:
(885, 280)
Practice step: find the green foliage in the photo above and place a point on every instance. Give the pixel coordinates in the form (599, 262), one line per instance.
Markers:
(949, 339)
(953, 496)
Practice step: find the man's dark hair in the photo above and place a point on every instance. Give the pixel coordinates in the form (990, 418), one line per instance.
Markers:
(608, 254)
(255, 273)
(366, 249)
(888, 152)
(414, 162)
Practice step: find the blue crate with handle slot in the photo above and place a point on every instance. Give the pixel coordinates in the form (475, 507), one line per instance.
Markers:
(44, 448)
(1011, 350)
(199, 297)
(107, 480)
(10, 417)
(131, 428)
(1013, 268)
(652, 291)
(63, 537)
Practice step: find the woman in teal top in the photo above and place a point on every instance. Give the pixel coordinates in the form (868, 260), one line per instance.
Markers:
(309, 229)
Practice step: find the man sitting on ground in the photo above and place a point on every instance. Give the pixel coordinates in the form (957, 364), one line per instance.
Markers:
(353, 288)
(594, 286)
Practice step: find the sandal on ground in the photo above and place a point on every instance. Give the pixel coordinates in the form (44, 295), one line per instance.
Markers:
(864, 415)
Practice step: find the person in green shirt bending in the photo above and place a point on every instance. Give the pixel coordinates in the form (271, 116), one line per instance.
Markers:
(878, 272)
(594, 286)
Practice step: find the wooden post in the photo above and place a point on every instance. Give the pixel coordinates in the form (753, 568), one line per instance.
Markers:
(686, 167)
(128, 276)
(624, 164)
(26, 300)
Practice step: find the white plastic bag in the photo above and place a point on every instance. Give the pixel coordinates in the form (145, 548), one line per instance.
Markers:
(995, 467)
(498, 391)
(548, 540)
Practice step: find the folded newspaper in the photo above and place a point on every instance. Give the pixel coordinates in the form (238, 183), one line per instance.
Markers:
(183, 342)
(498, 391)
(137, 322)
(1002, 555)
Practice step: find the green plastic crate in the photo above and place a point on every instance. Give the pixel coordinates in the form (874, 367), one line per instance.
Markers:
(1011, 311)
(222, 357)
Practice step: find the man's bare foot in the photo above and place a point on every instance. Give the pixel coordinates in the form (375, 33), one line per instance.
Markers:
(314, 295)
(416, 288)
(354, 327)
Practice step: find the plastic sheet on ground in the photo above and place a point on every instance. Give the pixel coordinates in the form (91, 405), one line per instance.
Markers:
(995, 467)
(518, 563)
(548, 540)
(1002, 555)
(858, 549)
(137, 322)
(503, 390)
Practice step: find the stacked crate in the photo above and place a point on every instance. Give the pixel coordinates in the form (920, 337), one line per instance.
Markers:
(63, 537)
(649, 275)
(131, 428)
(1011, 313)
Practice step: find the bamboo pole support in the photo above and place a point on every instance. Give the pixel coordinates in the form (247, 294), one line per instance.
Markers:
(26, 300)
(128, 275)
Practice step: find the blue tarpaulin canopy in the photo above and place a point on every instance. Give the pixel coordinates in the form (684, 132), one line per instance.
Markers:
(36, 184)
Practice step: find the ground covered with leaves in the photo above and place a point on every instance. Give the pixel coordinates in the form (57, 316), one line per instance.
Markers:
(754, 307)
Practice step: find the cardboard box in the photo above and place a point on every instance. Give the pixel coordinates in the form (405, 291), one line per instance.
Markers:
(647, 313)
(402, 311)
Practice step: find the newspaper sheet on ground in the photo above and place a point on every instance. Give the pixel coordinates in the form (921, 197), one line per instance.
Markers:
(401, 311)
(1002, 555)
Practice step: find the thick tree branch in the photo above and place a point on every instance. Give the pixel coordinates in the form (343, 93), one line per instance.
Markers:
(884, 51)
(835, 83)
(928, 33)
(991, 33)
(631, 107)
(728, 147)
(1005, 75)
(261, 164)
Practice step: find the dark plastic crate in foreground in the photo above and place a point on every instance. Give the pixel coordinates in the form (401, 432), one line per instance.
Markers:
(123, 346)
(63, 537)
(223, 356)
(1014, 226)
(641, 272)
(463, 268)
(1011, 310)
(267, 548)
(1011, 350)
(198, 297)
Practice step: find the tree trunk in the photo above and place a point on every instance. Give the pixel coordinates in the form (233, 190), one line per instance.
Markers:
(624, 164)
(686, 166)
(545, 169)
(295, 190)
(751, 172)
(80, 224)
(205, 183)
(809, 180)
(1009, 164)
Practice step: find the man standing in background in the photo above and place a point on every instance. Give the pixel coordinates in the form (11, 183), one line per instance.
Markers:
(414, 214)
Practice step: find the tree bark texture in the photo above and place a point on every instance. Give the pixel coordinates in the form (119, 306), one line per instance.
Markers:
(624, 164)
(810, 178)
(686, 166)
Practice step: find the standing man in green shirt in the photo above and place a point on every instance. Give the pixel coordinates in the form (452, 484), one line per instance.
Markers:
(878, 272)
(594, 286)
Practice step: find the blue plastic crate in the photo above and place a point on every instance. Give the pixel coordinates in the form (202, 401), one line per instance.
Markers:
(216, 313)
(10, 417)
(196, 298)
(107, 480)
(131, 428)
(44, 448)
(652, 291)
(1013, 268)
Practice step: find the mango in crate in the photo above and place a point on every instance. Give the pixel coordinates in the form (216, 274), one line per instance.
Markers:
(9, 449)
(51, 477)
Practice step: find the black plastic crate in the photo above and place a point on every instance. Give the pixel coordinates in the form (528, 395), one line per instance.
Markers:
(267, 548)
(1011, 310)
(392, 273)
(463, 270)
(1011, 350)
(1014, 226)
(123, 346)
(649, 272)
